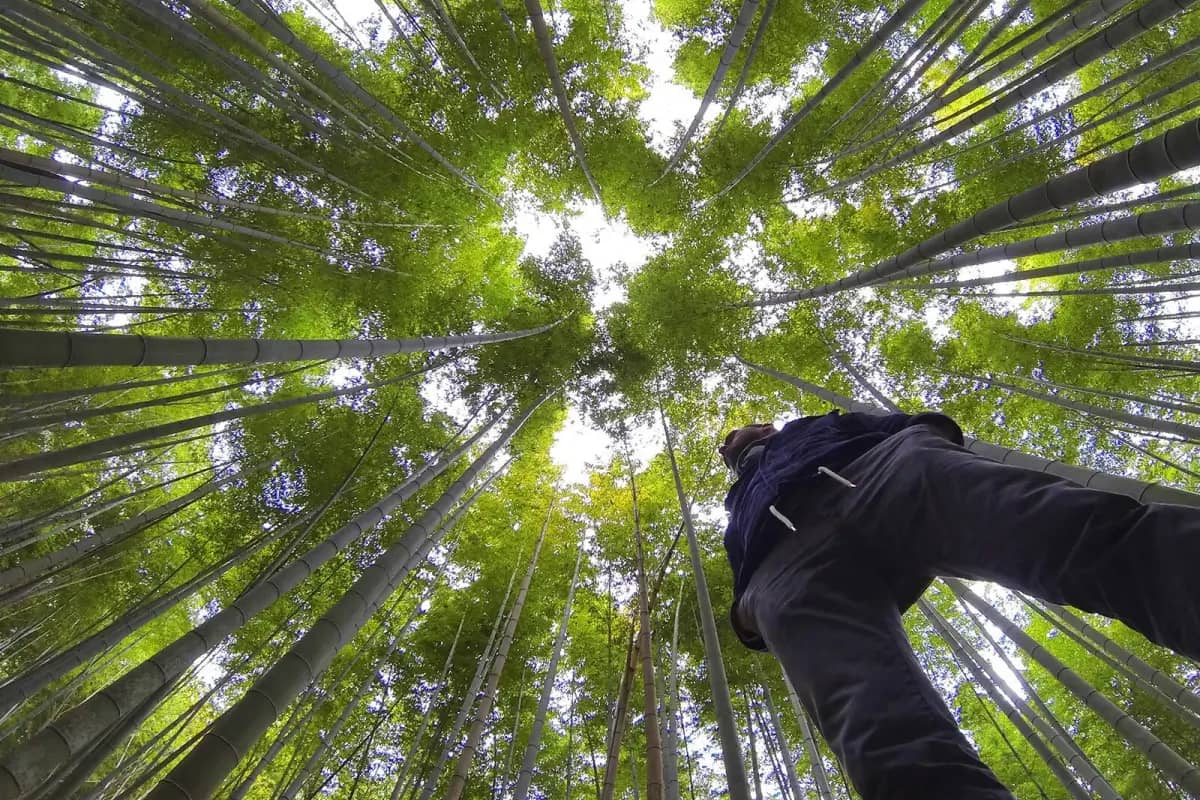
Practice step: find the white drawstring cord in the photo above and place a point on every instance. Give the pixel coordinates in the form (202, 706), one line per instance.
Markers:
(779, 516)
(836, 477)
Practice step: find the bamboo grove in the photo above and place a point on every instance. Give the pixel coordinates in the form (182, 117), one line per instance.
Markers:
(282, 512)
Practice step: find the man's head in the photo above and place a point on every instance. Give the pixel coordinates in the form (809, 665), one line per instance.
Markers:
(738, 439)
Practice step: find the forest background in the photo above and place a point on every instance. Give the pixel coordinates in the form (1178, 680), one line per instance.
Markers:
(238, 562)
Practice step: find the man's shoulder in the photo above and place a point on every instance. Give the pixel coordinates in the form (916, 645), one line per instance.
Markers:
(812, 419)
(846, 422)
(802, 425)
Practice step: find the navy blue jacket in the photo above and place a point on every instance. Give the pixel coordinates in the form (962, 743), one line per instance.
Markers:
(790, 460)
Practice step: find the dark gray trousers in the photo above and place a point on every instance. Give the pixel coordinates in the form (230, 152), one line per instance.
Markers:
(828, 599)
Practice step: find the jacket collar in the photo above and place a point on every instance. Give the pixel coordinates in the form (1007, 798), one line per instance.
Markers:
(749, 458)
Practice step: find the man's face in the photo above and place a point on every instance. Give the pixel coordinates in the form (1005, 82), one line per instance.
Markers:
(739, 439)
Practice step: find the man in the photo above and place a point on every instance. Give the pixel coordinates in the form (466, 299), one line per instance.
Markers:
(838, 523)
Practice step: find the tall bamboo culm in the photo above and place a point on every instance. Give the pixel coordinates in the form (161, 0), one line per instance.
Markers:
(731, 750)
(529, 762)
(458, 780)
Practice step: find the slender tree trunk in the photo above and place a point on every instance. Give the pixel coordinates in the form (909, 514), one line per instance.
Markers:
(1054, 70)
(620, 711)
(893, 24)
(847, 366)
(174, 102)
(1110, 291)
(34, 680)
(217, 18)
(753, 746)
(591, 745)
(529, 762)
(1173, 765)
(200, 773)
(620, 715)
(185, 220)
(546, 47)
(958, 16)
(1182, 702)
(1166, 405)
(35, 422)
(415, 747)
(654, 757)
(991, 684)
(1030, 703)
(194, 200)
(275, 26)
(472, 694)
(735, 770)
(163, 741)
(458, 781)
(1150, 362)
(785, 752)
(1058, 143)
(328, 739)
(980, 54)
(15, 532)
(508, 23)
(759, 33)
(1188, 432)
(570, 746)
(1078, 16)
(500, 780)
(66, 349)
(740, 25)
(371, 680)
(771, 746)
(1177, 149)
(1158, 255)
(671, 709)
(118, 386)
(815, 761)
(687, 756)
(450, 31)
(29, 571)
(98, 449)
